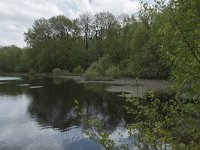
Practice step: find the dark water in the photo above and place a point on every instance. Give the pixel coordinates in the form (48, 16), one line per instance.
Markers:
(42, 117)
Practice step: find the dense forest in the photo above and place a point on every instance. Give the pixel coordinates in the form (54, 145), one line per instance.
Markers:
(110, 45)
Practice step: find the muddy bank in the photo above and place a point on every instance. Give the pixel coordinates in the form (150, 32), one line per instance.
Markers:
(129, 86)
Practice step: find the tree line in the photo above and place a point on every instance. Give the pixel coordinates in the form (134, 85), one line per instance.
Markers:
(113, 43)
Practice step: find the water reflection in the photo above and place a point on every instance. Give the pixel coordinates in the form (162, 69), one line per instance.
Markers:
(52, 105)
(43, 118)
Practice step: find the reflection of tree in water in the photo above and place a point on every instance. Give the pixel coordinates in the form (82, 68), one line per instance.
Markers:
(52, 105)
(11, 88)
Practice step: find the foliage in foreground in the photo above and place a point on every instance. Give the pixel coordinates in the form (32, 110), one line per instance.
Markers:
(164, 124)
(158, 124)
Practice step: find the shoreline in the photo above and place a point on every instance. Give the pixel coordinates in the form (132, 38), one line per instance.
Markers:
(128, 86)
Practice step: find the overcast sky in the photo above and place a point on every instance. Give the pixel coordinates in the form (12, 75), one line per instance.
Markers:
(18, 15)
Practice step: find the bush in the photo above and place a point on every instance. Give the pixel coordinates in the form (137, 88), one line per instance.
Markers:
(65, 72)
(21, 68)
(105, 61)
(113, 72)
(96, 72)
(32, 72)
(102, 70)
(92, 74)
(57, 72)
(98, 67)
(126, 68)
(78, 69)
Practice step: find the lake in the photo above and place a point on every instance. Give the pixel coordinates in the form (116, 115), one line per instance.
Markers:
(37, 113)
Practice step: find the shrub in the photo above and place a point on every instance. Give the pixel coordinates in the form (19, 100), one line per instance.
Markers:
(65, 72)
(95, 72)
(57, 72)
(32, 72)
(126, 67)
(92, 74)
(102, 70)
(113, 72)
(21, 69)
(105, 61)
(78, 69)
(98, 67)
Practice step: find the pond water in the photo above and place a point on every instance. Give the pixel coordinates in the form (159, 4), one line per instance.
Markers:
(37, 113)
